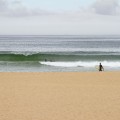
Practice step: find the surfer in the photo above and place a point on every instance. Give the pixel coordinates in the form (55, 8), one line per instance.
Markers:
(101, 67)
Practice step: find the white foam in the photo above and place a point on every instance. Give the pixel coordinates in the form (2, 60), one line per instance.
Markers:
(24, 53)
(82, 64)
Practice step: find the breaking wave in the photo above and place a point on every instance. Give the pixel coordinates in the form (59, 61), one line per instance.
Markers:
(82, 64)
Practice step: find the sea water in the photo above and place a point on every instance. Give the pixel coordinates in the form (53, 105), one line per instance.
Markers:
(36, 53)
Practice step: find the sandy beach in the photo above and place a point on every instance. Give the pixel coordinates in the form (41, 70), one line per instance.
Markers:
(60, 96)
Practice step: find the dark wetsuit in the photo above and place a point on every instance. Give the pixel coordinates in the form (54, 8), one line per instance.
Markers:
(100, 67)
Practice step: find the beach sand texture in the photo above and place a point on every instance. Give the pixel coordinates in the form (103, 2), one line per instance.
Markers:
(60, 96)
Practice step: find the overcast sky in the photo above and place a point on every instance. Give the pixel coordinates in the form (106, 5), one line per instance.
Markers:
(60, 17)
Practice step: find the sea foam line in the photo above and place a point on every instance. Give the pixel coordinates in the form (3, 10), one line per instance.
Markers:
(82, 64)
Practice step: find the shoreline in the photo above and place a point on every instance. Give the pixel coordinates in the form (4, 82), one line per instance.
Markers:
(54, 72)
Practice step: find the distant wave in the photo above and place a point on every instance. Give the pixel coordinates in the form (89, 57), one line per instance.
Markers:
(36, 56)
(23, 53)
(82, 52)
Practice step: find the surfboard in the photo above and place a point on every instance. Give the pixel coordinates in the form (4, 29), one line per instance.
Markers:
(97, 67)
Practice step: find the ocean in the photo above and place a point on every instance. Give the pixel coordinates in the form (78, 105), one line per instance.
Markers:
(58, 53)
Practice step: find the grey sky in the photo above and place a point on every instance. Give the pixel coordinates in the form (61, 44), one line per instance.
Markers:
(97, 17)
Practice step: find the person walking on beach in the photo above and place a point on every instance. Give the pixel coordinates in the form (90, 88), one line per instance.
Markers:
(101, 67)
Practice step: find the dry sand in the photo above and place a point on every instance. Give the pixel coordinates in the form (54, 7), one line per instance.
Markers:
(60, 96)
